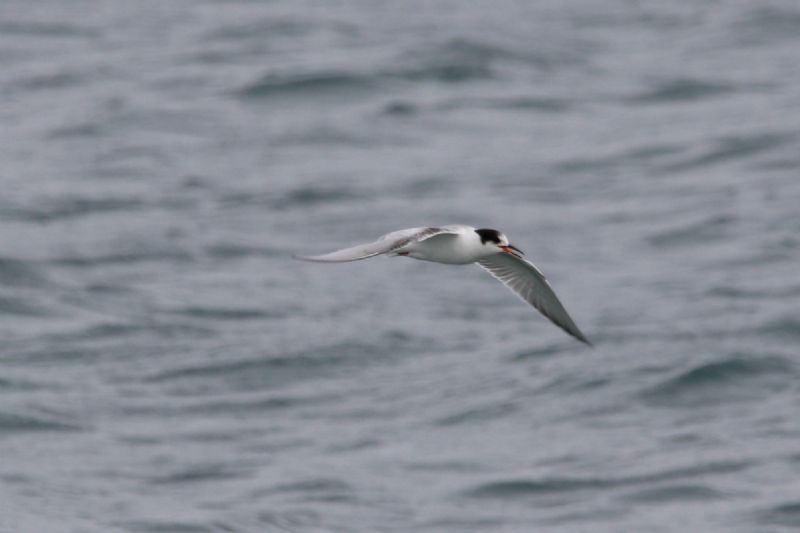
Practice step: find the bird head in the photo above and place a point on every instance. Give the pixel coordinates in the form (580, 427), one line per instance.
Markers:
(498, 241)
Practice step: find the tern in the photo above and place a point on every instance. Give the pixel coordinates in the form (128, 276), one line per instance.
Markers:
(462, 245)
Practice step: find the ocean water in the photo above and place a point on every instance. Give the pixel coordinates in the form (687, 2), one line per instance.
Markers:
(165, 366)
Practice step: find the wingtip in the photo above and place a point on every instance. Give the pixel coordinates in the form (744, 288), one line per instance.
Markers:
(581, 337)
(577, 335)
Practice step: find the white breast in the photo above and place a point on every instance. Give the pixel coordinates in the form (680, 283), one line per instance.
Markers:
(461, 249)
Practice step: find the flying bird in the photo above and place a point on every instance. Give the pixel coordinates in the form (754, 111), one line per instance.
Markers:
(462, 245)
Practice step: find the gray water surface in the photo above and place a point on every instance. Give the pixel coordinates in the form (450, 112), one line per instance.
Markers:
(165, 366)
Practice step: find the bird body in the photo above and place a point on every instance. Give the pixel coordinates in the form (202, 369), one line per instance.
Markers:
(460, 245)
(456, 245)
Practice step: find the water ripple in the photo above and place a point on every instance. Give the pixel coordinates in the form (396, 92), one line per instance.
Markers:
(454, 61)
(526, 488)
(161, 526)
(477, 414)
(675, 493)
(47, 29)
(684, 90)
(21, 273)
(710, 229)
(13, 305)
(765, 24)
(308, 85)
(257, 29)
(785, 514)
(732, 148)
(225, 313)
(16, 423)
(788, 327)
(721, 381)
(274, 371)
(204, 473)
(122, 258)
(318, 489)
(65, 207)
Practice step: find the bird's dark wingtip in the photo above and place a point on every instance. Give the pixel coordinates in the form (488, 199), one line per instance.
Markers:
(580, 336)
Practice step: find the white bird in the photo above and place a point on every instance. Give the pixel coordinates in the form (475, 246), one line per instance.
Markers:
(462, 245)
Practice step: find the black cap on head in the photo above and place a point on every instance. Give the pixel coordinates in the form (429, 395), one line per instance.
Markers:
(488, 235)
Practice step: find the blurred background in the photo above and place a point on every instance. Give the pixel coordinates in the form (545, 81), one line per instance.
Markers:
(165, 365)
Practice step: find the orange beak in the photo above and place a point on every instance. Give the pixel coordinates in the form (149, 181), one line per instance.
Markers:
(513, 250)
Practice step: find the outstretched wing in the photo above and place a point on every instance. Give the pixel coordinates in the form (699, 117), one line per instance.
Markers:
(386, 244)
(528, 282)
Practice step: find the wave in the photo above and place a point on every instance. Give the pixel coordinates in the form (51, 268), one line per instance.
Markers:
(785, 514)
(258, 29)
(203, 473)
(317, 489)
(143, 256)
(48, 29)
(675, 493)
(277, 370)
(14, 305)
(66, 207)
(682, 90)
(783, 327)
(478, 414)
(456, 60)
(12, 422)
(306, 84)
(732, 148)
(720, 381)
(176, 526)
(709, 229)
(43, 82)
(766, 24)
(20, 273)
(305, 196)
(226, 250)
(224, 313)
(526, 488)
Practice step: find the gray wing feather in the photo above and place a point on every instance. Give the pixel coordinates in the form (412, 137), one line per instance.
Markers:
(386, 244)
(529, 283)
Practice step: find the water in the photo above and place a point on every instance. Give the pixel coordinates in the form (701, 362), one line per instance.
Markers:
(165, 365)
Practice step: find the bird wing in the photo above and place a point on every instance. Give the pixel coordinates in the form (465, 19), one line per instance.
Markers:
(528, 282)
(386, 244)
